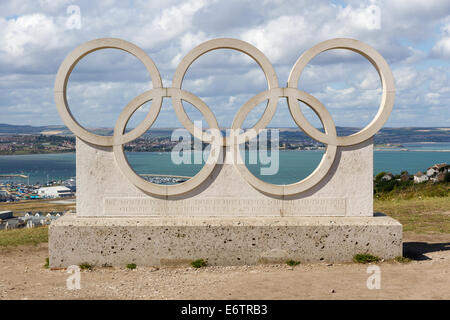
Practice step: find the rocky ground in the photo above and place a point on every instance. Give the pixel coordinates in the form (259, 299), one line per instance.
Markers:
(22, 276)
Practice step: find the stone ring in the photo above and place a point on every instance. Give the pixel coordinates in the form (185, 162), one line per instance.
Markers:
(119, 138)
(234, 44)
(327, 160)
(215, 137)
(64, 71)
(387, 98)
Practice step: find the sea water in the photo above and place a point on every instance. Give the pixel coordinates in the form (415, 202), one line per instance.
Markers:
(293, 165)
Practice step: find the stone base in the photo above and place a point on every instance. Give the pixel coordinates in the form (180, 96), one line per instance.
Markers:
(221, 241)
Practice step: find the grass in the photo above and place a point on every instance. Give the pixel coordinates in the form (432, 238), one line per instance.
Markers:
(85, 266)
(365, 258)
(418, 215)
(402, 259)
(198, 263)
(292, 263)
(45, 206)
(47, 263)
(27, 236)
(409, 190)
(131, 266)
(23, 236)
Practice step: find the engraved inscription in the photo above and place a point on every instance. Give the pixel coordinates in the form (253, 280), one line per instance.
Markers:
(119, 206)
(317, 206)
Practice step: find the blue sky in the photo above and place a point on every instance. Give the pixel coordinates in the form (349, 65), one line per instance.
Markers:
(412, 35)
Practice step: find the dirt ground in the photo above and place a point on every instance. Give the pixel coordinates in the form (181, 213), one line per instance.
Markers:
(22, 276)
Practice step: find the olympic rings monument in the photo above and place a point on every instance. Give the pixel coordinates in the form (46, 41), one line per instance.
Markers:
(224, 214)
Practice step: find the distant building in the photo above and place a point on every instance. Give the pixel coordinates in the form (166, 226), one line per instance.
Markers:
(440, 177)
(387, 177)
(6, 215)
(439, 167)
(437, 172)
(55, 192)
(432, 171)
(14, 223)
(405, 177)
(4, 195)
(71, 184)
(420, 177)
(37, 220)
(442, 167)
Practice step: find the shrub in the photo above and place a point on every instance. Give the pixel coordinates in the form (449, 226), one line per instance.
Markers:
(131, 266)
(198, 263)
(85, 266)
(408, 189)
(365, 258)
(379, 176)
(292, 263)
(402, 259)
(447, 177)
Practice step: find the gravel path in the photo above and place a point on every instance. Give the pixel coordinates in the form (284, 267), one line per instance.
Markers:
(22, 276)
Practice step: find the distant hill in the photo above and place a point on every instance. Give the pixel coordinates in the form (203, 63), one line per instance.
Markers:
(412, 134)
(385, 135)
(10, 129)
(17, 129)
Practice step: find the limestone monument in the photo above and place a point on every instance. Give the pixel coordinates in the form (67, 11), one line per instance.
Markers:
(224, 214)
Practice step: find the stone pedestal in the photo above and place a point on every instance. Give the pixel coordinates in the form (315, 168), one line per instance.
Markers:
(220, 241)
(224, 214)
(226, 221)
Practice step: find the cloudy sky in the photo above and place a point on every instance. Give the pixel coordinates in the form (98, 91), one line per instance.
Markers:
(412, 35)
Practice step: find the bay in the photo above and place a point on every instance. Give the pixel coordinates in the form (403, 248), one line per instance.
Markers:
(293, 165)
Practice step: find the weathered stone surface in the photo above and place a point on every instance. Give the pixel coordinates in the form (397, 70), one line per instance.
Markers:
(222, 241)
(103, 190)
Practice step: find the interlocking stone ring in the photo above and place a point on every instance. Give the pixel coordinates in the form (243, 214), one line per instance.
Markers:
(272, 95)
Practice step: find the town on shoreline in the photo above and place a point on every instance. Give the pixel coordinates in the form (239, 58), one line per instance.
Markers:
(17, 140)
(15, 191)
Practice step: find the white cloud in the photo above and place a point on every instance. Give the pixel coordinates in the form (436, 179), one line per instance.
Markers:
(362, 18)
(416, 56)
(177, 18)
(53, 5)
(28, 30)
(369, 82)
(187, 42)
(442, 48)
(406, 78)
(169, 24)
(271, 38)
(433, 98)
(34, 40)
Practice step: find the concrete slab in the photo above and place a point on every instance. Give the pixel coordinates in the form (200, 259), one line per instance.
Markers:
(152, 241)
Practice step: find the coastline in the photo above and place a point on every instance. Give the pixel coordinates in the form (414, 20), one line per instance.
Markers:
(284, 150)
(409, 150)
(35, 153)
